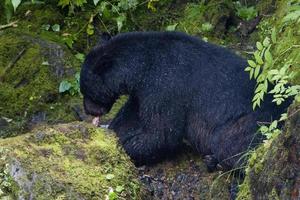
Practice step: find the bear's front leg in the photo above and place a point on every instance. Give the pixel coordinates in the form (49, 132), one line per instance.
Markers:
(146, 147)
(126, 117)
(147, 138)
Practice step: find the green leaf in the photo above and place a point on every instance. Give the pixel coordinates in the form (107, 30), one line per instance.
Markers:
(171, 27)
(112, 196)
(56, 27)
(79, 3)
(257, 70)
(259, 88)
(119, 188)
(266, 86)
(259, 46)
(252, 63)
(46, 27)
(246, 13)
(45, 63)
(273, 35)
(247, 69)
(261, 95)
(77, 77)
(15, 4)
(256, 96)
(266, 42)
(251, 73)
(64, 86)
(283, 117)
(273, 125)
(90, 29)
(127, 4)
(258, 59)
(207, 27)
(292, 16)
(104, 11)
(120, 21)
(264, 129)
(96, 2)
(80, 56)
(8, 9)
(109, 176)
(273, 71)
(268, 56)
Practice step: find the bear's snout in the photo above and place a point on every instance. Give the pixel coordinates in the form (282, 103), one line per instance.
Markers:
(92, 108)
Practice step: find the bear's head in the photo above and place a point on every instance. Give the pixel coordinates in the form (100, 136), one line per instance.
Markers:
(98, 98)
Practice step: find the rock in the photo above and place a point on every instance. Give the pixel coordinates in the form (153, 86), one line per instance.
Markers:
(3, 123)
(68, 161)
(273, 171)
(28, 88)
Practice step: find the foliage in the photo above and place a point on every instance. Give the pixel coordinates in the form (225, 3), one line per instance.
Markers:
(258, 68)
(271, 65)
(294, 12)
(261, 69)
(72, 4)
(151, 4)
(171, 27)
(5, 182)
(207, 27)
(71, 87)
(244, 12)
(10, 7)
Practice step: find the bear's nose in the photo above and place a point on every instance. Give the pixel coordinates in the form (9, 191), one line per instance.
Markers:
(92, 108)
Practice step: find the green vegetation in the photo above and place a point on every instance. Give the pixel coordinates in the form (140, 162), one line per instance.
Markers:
(39, 65)
(275, 63)
(244, 12)
(70, 86)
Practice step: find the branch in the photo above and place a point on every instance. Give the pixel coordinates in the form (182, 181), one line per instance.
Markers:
(12, 24)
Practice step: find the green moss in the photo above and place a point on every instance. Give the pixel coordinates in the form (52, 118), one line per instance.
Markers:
(167, 13)
(197, 16)
(29, 87)
(244, 190)
(69, 160)
(115, 109)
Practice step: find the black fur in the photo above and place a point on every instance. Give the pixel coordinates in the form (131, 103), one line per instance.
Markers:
(179, 87)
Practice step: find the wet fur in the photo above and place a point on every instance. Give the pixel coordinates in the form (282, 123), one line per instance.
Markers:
(179, 87)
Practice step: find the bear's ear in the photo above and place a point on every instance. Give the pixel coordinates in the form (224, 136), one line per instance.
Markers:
(104, 63)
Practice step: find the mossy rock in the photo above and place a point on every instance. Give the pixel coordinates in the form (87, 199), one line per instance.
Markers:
(66, 161)
(30, 72)
(273, 171)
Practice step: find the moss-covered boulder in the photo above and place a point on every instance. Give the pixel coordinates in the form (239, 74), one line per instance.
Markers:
(31, 70)
(273, 171)
(66, 161)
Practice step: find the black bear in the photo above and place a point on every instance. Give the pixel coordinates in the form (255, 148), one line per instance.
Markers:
(179, 88)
